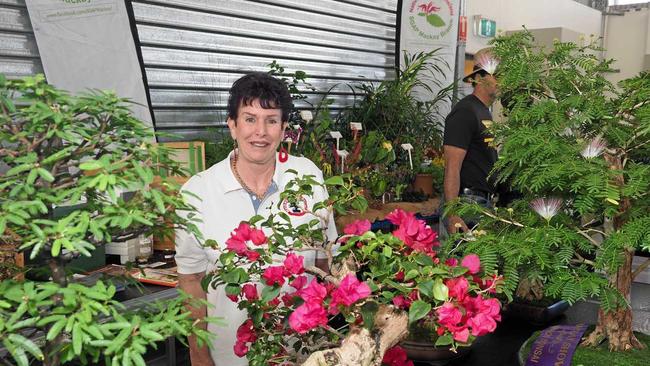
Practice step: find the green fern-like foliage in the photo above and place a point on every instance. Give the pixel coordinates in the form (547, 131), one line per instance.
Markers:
(557, 101)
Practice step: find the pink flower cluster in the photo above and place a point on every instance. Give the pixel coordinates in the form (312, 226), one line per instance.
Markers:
(319, 299)
(239, 239)
(415, 234)
(313, 313)
(464, 314)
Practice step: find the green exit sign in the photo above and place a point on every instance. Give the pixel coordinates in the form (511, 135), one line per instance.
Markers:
(484, 27)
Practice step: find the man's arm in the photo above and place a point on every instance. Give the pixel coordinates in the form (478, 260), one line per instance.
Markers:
(454, 157)
(191, 284)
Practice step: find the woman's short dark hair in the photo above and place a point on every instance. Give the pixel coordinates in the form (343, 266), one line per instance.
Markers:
(272, 93)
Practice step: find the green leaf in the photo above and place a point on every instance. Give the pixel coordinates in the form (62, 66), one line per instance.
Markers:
(440, 291)
(269, 293)
(91, 165)
(424, 260)
(17, 353)
(55, 329)
(368, 311)
(27, 345)
(418, 310)
(387, 252)
(45, 174)
(336, 180)
(444, 340)
(426, 288)
(411, 274)
(435, 20)
(76, 338)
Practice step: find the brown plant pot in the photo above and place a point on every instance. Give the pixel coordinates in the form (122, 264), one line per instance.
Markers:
(427, 352)
(424, 183)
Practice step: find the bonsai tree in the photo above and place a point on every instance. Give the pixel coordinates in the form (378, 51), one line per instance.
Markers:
(576, 149)
(62, 150)
(355, 315)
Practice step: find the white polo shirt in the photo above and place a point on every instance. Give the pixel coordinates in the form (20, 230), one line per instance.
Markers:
(222, 204)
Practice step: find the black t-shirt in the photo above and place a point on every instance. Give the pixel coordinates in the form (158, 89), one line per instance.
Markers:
(466, 128)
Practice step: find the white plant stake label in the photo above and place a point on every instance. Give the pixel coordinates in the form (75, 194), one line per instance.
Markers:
(336, 135)
(408, 148)
(342, 154)
(356, 126)
(306, 116)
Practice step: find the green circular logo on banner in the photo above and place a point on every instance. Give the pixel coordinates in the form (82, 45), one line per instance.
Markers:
(431, 19)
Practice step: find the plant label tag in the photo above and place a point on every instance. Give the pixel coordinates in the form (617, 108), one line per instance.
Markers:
(306, 116)
(408, 147)
(356, 126)
(335, 134)
(342, 154)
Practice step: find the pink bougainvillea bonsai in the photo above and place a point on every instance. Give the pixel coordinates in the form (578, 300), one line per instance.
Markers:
(378, 284)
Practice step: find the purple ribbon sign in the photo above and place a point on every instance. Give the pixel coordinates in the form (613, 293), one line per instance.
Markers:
(555, 346)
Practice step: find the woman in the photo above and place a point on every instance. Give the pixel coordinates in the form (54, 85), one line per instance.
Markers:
(245, 184)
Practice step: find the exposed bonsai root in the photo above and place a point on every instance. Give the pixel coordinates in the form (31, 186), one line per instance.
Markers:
(363, 347)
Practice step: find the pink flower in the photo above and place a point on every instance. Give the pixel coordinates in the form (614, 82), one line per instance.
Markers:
(252, 255)
(481, 324)
(398, 216)
(242, 232)
(546, 207)
(350, 290)
(274, 275)
(299, 282)
(233, 298)
(488, 62)
(415, 234)
(461, 335)
(401, 302)
(246, 332)
(250, 292)
(448, 314)
(288, 299)
(257, 237)
(307, 317)
(357, 228)
(314, 292)
(399, 276)
(451, 262)
(241, 349)
(594, 148)
(458, 287)
(396, 356)
(471, 262)
(235, 245)
(293, 264)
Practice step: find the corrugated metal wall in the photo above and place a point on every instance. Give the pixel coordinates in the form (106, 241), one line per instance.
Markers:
(18, 51)
(193, 50)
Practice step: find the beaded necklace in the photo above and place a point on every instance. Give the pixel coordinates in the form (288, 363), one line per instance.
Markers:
(233, 164)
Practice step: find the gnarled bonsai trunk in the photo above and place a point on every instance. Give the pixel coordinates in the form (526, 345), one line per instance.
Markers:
(363, 347)
(616, 325)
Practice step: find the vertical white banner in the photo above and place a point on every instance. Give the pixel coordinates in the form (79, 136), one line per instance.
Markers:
(87, 44)
(427, 25)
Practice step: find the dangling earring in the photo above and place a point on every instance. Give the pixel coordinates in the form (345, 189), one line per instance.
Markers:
(283, 155)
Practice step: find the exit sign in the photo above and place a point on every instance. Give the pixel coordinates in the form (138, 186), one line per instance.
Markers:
(484, 27)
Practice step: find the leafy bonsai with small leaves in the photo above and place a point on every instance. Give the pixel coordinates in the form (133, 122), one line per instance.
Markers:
(62, 150)
(574, 146)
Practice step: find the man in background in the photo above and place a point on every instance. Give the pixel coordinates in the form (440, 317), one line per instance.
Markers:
(467, 144)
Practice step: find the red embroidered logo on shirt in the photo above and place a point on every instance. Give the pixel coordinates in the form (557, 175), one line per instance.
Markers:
(295, 209)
